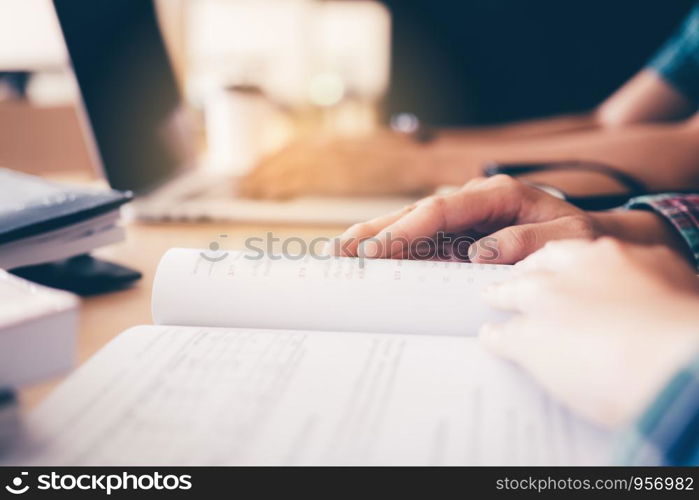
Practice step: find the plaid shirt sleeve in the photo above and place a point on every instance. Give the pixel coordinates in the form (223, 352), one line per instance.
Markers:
(681, 210)
(668, 432)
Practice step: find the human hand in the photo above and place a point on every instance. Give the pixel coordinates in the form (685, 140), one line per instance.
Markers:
(601, 325)
(504, 219)
(517, 217)
(379, 164)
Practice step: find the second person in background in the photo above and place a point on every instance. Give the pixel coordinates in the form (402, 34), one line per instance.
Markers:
(648, 128)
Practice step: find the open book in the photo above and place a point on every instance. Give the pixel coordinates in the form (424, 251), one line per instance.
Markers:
(262, 361)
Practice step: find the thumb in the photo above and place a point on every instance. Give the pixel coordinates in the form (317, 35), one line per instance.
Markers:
(514, 339)
(555, 255)
(514, 243)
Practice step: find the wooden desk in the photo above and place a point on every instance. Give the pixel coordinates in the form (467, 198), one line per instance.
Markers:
(105, 316)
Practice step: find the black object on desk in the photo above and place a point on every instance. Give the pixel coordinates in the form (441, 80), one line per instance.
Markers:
(84, 275)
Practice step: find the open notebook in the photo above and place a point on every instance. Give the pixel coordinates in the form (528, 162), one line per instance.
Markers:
(307, 362)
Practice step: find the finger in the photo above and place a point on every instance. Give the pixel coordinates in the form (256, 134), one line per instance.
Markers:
(348, 242)
(522, 293)
(271, 175)
(269, 162)
(476, 181)
(514, 243)
(257, 182)
(248, 185)
(555, 255)
(511, 339)
(454, 212)
(281, 181)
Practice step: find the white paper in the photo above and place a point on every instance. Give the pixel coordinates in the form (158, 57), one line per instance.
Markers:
(338, 294)
(181, 396)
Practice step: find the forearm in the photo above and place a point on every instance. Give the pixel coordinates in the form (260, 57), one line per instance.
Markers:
(664, 156)
(521, 130)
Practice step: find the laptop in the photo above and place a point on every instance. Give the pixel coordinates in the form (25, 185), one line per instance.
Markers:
(137, 127)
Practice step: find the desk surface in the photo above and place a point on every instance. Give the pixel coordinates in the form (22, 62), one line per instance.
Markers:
(105, 316)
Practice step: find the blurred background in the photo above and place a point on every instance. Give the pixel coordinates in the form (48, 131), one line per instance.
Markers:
(257, 73)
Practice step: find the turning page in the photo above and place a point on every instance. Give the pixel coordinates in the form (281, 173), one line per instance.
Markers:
(308, 293)
(210, 396)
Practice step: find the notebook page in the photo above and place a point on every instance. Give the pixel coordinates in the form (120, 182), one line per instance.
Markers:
(341, 294)
(180, 396)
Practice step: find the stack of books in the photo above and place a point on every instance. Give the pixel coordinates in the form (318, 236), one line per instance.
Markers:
(43, 221)
(38, 327)
(38, 334)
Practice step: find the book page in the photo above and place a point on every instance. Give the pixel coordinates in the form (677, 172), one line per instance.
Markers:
(340, 294)
(181, 396)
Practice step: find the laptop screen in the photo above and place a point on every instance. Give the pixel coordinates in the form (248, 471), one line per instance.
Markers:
(128, 88)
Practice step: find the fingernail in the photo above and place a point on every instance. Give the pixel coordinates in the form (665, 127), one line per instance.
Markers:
(368, 249)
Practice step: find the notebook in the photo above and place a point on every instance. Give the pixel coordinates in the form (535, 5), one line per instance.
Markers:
(298, 361)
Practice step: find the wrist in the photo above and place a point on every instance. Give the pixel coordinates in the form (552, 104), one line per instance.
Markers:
(643, 227)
